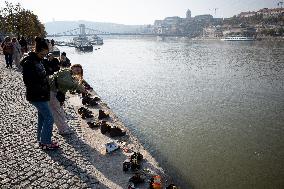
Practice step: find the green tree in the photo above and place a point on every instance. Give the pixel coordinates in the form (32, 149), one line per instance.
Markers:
(19, 21)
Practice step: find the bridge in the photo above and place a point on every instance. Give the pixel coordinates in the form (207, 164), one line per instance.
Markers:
(82, 31)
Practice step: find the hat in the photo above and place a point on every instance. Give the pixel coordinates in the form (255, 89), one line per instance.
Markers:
(63, 53)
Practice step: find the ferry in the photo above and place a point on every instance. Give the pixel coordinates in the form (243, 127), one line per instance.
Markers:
(238, 38)
(82, 43)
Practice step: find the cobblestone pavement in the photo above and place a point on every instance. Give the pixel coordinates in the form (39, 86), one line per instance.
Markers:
(22, 163)
(81, 161)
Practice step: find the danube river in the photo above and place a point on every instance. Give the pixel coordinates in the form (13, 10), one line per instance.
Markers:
(211, 112)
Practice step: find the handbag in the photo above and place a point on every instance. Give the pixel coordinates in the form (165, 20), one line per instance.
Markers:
(60, 96)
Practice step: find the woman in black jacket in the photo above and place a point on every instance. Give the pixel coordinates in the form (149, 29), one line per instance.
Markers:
(38, 92)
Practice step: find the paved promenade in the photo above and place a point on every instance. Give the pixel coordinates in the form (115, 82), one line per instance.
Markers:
(81, 161)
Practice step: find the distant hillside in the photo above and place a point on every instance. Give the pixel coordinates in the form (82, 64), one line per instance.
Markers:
(61, 26)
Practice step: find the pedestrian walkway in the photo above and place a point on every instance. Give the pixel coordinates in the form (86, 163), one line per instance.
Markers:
(23, 163)
(80, 162)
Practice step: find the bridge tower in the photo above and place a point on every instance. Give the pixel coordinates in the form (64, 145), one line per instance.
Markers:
(82, 29)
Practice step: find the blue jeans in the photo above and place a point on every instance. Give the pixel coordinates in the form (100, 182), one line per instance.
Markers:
(9, 59)
(45, 122)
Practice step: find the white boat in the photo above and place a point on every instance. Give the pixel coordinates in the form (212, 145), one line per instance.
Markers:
(238, 38)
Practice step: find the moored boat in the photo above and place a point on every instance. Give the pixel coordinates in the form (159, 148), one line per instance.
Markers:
(238, 38)
(84, 47)
(96, 40)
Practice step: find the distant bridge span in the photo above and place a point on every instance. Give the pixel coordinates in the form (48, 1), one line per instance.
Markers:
(82, 30)
(79, 31)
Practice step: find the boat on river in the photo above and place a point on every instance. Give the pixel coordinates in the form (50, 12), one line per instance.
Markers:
(96, 40)
(82, 43)
(84, 47)
(238, 38)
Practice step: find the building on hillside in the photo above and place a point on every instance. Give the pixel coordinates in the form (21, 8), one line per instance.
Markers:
(188, 14)
(240, 31)
(169, 25)
(213, 31)
(203, 18)
(172, 20)
(184, 26)
(268, 13)
(247, 14)
(158, 23)
(217, 21)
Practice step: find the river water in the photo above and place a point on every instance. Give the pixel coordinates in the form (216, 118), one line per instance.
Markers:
(211, 112)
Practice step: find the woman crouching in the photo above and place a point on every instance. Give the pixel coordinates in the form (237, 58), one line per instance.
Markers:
(64, 80)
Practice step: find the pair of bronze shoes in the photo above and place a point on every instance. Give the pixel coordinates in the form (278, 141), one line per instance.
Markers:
(85, 113)
(113, 131)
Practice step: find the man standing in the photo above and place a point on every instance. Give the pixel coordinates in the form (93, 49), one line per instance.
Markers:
(8, 49)
(24, 45)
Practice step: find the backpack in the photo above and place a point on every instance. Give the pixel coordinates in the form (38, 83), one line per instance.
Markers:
(8, 48)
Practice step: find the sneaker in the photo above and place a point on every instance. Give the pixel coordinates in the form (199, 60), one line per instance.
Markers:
(115, 132)
(87, 115)
(105, 127)
(137, 178)
(93, 124)
(83, 110)
(135, 160)
(93, 103)
(102, 114)
(137, 155)
(126, 165)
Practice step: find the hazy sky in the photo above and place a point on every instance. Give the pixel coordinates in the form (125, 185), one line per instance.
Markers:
(135, 11)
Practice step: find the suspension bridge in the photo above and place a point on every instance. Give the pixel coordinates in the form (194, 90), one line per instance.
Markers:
(82, 30)
(85, 31)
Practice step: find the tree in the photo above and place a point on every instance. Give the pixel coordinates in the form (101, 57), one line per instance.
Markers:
(18, 21)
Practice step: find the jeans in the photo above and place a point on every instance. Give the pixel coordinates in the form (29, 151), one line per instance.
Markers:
(9, 59)
(45, 122)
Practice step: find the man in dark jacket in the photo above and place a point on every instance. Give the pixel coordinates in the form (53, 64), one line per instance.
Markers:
(35, 79)
(24, 44)
(38, 93)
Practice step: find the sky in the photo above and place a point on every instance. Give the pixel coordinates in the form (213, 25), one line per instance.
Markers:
(134, 12)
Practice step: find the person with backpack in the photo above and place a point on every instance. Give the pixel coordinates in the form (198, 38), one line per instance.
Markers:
(8, 50)
(62, 81)
(38, 92)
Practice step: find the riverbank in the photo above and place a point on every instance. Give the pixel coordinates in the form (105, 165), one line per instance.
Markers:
(272, 39)
(81, 161)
